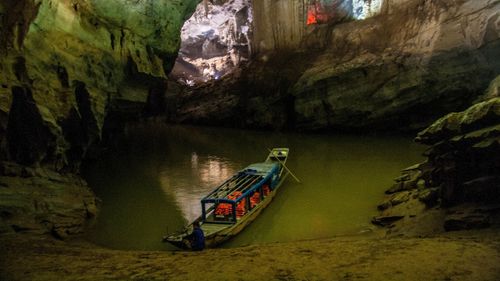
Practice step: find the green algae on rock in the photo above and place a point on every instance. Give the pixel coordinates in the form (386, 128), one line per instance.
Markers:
(64, 66)
(459, 182)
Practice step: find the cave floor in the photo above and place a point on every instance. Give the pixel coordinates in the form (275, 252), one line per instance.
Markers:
(473, 255)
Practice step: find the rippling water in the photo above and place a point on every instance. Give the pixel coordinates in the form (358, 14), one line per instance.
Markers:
(152, 180)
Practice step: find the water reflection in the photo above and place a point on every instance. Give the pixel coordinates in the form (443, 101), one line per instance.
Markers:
(215, 170)
(157, 174)
(205, 173)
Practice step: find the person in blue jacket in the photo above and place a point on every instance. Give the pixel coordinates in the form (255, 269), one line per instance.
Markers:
(197, 237)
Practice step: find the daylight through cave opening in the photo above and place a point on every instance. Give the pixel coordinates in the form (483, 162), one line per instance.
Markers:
(215, 41)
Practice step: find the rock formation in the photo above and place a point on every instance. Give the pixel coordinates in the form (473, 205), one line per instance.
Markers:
(459, 183)
(215, 40)
(65, 68)
(399, 70)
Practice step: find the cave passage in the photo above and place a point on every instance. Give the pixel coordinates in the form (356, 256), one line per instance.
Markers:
(214, 41)
(217, 39)
(153, 182)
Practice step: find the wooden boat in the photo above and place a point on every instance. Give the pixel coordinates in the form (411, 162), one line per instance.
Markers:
(234, 204)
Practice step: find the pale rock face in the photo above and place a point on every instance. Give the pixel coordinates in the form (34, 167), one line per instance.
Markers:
(364, 9)
(283, 24)
(215, 40)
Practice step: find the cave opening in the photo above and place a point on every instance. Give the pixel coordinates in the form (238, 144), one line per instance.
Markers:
(215, 41)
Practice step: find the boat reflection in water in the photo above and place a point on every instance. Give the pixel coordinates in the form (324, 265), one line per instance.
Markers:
(236, 202)
(206, 172)
(153, 182)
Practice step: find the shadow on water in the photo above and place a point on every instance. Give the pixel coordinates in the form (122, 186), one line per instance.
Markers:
(156, 175)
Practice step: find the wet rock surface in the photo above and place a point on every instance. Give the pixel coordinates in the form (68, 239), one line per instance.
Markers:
(215, 40)
(69, 71)
(65, 66)
(458, 187)
(399, 70)
(42, 201)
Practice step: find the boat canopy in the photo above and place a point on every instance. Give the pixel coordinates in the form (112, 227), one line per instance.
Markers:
(246, 182)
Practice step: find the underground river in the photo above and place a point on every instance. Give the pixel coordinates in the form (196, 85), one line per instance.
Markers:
(152, 179)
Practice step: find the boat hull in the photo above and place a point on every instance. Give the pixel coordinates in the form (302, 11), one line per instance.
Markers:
(246, 183)
(217, 238)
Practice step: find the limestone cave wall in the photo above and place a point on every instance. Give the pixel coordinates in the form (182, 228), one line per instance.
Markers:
(64, 63)
(65, 67)
(399, 69)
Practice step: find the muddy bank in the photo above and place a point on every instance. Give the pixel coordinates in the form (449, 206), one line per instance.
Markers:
(456, 256)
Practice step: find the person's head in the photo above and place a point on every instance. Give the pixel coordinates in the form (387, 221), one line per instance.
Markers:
(196, 224)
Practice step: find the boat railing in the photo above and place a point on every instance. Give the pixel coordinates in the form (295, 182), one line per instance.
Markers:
(247, 190)
(240, 184)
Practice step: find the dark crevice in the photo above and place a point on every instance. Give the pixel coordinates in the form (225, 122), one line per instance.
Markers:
(89, 122)
(62, 75)
(156, 104)
(73, 132)
(112, 40)
(20, 71)
(122, 38)
(80, 127)
(27, 136)
(168, 60)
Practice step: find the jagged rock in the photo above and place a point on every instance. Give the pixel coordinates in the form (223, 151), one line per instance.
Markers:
(412, 169)
(398, 186)
(359, 75)
(64, 64)
(493, 91)
(64, 67)
(42, 205)
(430, 196)
(386, 220)
(464, 221)
(421, 184)
(478, 116)
(400, 197)
(402, 178)
(384, 205)
(407, 181)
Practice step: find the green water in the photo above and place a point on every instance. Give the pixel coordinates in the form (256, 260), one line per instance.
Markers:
(151, 182)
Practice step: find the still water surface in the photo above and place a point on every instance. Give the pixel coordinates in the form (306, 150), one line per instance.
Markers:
(152, 181)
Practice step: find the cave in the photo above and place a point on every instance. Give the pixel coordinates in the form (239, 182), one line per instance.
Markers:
(250, 140)
(215, 41)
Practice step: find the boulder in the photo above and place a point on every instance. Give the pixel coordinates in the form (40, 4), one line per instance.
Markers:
(478, 116)
(430, 197)
(384, 205)
(466, 221)
(42, 205)
(407, 181)
(386, 220)
(400, 197)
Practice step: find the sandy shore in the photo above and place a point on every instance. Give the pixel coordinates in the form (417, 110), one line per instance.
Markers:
(455, 256)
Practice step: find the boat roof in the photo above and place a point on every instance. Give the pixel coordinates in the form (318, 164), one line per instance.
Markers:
(245, 181)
